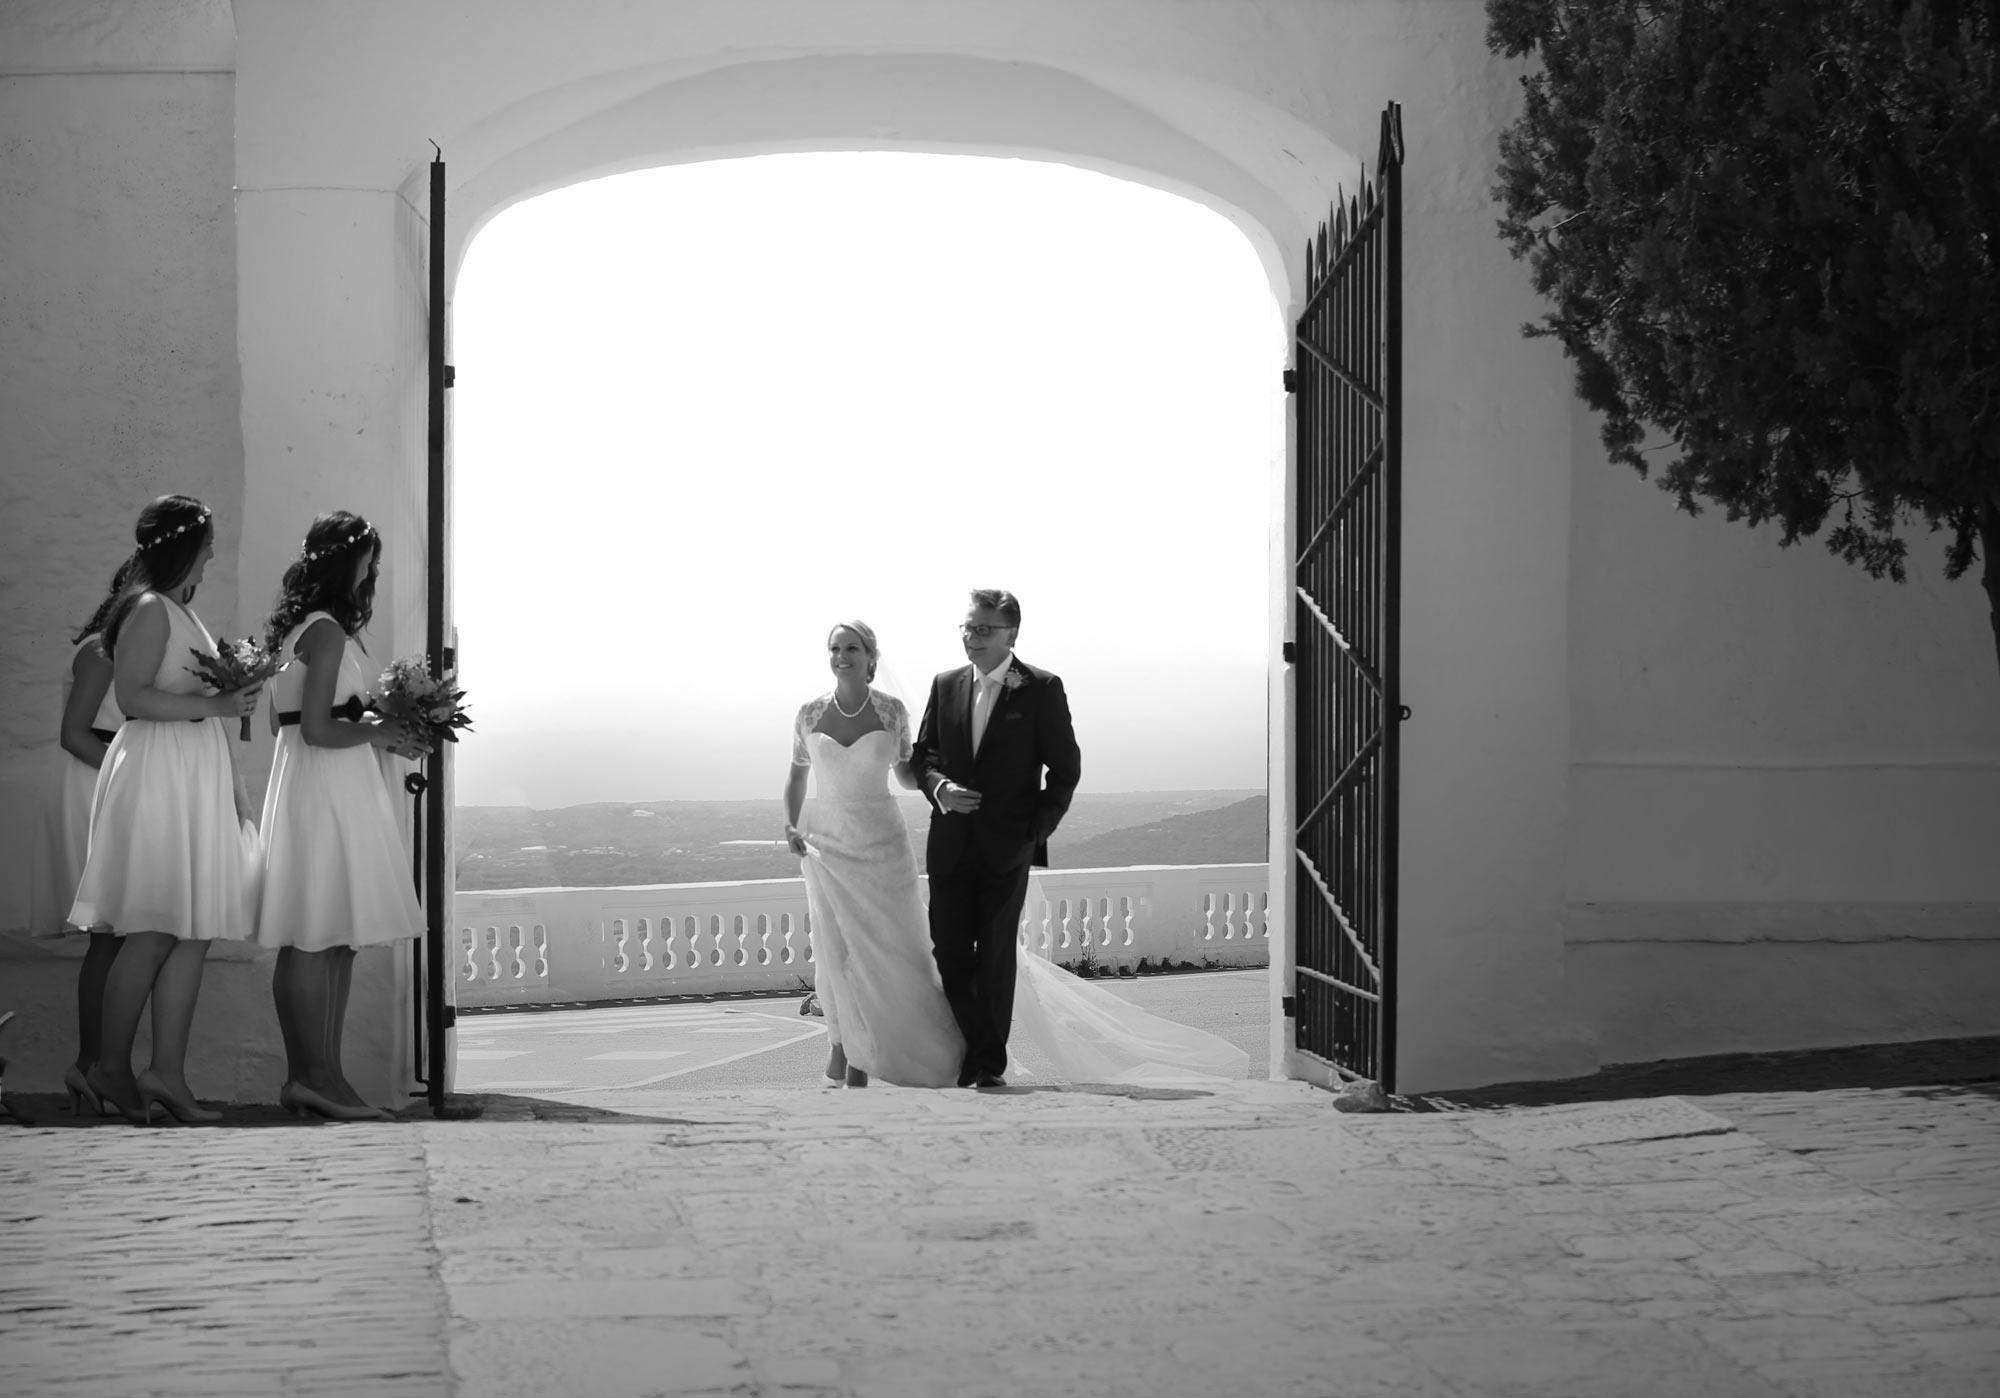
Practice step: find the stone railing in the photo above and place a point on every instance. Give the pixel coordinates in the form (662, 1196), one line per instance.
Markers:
(561, 945)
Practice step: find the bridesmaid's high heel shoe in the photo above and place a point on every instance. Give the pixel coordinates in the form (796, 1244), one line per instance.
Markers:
(137, 1112)
(80, 1091)
(153, 1092)
(299, 1099)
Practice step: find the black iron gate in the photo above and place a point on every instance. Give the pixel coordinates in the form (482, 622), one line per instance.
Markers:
(431, 1010)
(1348, 401)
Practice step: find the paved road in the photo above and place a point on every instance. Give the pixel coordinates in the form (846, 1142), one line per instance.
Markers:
(765, 1043)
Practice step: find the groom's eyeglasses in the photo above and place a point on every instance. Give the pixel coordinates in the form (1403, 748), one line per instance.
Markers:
(982, 632)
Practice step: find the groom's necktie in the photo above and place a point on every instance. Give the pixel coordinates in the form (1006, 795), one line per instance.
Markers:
(983, 689)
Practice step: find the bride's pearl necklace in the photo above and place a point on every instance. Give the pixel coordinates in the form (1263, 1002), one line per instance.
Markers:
(857, 708)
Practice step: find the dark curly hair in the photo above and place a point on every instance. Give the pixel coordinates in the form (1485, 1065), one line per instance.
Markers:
(321, 578)
(171, 534)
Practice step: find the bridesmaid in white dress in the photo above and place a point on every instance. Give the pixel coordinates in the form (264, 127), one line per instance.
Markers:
(873, 971)
(336, 873)
(167, 865)
(90, 719)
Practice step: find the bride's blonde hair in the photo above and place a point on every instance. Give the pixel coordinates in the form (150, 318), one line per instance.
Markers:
(868, 642)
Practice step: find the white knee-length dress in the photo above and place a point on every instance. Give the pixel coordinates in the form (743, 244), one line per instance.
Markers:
(167, 852)
(62, 838)
(336, 870)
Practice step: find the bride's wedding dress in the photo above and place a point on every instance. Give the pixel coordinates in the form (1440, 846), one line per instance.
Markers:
(876, 980)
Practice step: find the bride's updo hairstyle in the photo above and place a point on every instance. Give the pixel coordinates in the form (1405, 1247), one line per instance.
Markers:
(321, 578)
(171, 533)
(868, 642)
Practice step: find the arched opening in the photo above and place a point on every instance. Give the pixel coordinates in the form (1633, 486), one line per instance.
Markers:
(705, 410)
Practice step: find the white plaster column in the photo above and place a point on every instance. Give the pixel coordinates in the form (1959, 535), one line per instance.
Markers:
(332, 331)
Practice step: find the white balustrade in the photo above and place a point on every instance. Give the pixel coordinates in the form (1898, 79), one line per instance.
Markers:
(553, 945)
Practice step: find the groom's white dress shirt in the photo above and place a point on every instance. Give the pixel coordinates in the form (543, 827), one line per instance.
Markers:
(985, 689)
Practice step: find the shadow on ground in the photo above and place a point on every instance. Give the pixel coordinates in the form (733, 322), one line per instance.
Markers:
(1953, 1066)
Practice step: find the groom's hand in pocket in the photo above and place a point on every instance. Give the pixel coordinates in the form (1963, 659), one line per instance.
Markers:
(958, 800)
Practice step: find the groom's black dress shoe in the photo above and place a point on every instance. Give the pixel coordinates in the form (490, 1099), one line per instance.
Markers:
(967, 1076)
(989, 1080)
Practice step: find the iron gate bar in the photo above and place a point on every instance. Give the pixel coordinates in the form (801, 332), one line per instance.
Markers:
(1350, 234)
(1361, 665)
(437, 1013)
(1339, 512)
(1334, 366)
(1339, 984)
(1347, 613)
(1367, 961)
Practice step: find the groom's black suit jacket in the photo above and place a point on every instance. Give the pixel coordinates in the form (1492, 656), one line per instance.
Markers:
(1028, 731)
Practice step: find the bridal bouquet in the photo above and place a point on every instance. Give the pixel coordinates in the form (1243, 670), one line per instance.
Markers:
(433, 707)
(236, 665)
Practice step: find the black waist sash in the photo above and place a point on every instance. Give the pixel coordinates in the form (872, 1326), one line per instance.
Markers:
(351, 711)
(104, 735)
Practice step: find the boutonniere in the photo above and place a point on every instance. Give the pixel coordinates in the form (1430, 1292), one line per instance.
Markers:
(1013, 679)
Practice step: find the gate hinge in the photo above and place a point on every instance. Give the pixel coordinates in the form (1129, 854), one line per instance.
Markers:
(1291, 381)
(1291, 652)
(1290, 1005)
(451, 376)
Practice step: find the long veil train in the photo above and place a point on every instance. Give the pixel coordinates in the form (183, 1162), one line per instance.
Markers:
(1093, 1035)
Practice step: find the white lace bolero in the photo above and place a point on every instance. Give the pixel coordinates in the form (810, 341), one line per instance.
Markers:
(891, 710)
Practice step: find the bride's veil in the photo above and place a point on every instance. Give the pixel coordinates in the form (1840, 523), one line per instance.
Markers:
(1091, 1034)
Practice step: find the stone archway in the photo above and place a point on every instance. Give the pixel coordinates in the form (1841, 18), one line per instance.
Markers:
(1240, 109)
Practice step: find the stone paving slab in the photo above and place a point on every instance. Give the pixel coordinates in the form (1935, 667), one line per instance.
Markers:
(803, 1244)
(1249, 1242)
(218, 1262)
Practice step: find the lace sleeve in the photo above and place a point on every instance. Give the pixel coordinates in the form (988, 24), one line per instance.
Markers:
(808, 718)
(896, 718)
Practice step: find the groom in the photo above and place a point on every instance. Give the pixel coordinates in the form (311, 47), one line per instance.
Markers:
(989, 731)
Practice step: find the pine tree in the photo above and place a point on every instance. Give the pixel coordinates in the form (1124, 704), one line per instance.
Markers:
(1771, 233)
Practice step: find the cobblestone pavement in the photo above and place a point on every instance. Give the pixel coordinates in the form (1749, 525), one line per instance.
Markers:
(218, 1262)
(1833, 1243)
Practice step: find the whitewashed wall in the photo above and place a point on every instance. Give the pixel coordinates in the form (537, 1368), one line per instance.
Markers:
(1785, 796)
(122, 381)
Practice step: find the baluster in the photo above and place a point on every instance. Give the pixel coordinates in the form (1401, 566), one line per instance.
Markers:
(697, 958)
(785, 949)
(1260, 915)
(644, 940)
(541, 935)
(1126, 912)
(806, 939)
(620, 962)
(492, 953)
(1208, 917)
(1068, 941)
(468, 955)
(1229, 912)
(715, 939)
(739, 937)
(765, 927)
(516, 968)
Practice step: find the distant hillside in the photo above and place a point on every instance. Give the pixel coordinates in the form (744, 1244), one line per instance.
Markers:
(1233, 834)
(609, 844)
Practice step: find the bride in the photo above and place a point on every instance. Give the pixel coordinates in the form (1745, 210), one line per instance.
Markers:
(876, 980)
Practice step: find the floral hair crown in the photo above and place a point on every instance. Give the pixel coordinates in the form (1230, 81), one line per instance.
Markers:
(312, 555)
(159, 539)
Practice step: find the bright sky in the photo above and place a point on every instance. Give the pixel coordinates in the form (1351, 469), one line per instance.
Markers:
(705, 412)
